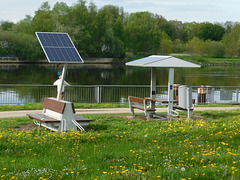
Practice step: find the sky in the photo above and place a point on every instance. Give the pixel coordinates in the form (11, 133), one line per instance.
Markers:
(184, 10)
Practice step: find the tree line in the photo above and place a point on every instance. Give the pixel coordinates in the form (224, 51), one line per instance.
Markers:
(111, 32)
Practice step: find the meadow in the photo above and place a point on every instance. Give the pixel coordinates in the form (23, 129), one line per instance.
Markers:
(122, 147)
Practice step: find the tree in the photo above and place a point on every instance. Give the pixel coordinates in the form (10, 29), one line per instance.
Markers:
(176, 30)
(42, 20)
(111, 30)
(142, 34)
(216, 49)
(23, 46)
(60, 17)
(25, 25)
(231, 41)
(210, 31)
(196, 46)
(178, 46)
(6, 26)
(165, 44)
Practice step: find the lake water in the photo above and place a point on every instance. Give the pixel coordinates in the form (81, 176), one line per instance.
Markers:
(86, 74)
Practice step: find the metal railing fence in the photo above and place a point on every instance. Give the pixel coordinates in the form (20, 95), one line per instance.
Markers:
(22, 94)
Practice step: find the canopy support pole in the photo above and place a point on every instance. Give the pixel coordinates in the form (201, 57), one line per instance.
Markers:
(62, 81)
(170, 93)
(153, 87)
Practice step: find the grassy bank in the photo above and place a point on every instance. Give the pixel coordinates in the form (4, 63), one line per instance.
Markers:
(119, 147)
(35, 106)
(89, 106)
(203, 59)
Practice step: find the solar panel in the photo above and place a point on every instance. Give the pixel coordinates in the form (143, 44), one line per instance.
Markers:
(58, 47)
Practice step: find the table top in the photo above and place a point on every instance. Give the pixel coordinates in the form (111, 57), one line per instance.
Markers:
(159, 100)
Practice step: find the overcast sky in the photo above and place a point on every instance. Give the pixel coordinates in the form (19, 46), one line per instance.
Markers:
(184, 10)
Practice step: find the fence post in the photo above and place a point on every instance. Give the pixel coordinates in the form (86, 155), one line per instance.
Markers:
(98, 94)
(237, 92)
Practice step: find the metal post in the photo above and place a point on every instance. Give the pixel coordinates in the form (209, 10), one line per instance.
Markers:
(237, 92)
(188, 103)
(97, 94)
(170, 93)
(153, 87)
(62, 81)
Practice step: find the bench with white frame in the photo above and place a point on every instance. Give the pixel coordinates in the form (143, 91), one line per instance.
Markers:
(59, 115)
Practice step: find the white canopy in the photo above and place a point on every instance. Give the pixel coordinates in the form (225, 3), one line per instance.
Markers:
(162, 61)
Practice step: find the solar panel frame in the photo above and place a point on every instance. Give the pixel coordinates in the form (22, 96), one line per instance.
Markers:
(58, 47)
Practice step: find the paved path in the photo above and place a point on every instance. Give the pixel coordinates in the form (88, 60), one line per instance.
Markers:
(9, 114)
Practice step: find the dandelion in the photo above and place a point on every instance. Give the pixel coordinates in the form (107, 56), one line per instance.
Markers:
(183, 169)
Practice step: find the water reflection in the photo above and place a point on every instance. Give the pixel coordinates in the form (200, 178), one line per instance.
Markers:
(87, 74)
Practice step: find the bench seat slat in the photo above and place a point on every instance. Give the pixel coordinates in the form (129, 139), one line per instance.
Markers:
(142, 108)
(180, 108)
(81, 119)
(42, 118)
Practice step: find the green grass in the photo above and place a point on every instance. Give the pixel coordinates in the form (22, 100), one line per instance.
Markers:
(31, 106)
(35, 106)
(120, 147)
(203, 59)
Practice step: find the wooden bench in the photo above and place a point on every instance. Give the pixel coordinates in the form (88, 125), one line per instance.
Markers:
(139, 103)
(59, 116)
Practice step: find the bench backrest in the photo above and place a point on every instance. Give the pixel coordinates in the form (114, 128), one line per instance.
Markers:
(137, 100)
(54, 105)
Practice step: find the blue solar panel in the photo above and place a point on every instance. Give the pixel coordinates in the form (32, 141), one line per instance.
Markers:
(59, 48)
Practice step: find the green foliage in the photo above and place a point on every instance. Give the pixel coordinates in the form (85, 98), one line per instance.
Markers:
(110, 32)
(165, 44)
(197, 46)
(117, 147)
(24, 46)
(231, 42)
(6, 26)
(141, 33)
(211, 31)
(216, 49)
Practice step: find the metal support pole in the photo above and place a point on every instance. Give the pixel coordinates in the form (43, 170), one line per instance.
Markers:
(188, 103)
(62, 81)
(97, 94)
(170, 93)
(237, 92)
(153, 87)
